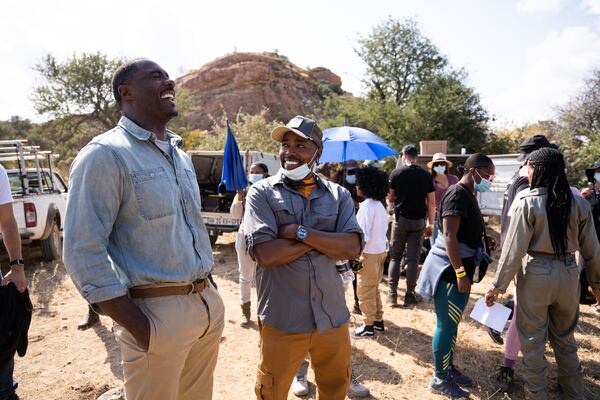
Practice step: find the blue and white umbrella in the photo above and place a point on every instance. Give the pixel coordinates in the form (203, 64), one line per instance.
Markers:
(351, 143)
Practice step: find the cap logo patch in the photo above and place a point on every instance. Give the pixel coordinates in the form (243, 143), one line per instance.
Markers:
(295, 123)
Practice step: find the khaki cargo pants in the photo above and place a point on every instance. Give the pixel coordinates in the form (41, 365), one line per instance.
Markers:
(369, 277)
(281, 353)
(548, 308)
(184, 344)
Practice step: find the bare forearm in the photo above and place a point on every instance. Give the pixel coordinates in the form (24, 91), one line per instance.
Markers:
(279, 252)
(11, 238)
(339, 246)
(124, 311)
(431, 208)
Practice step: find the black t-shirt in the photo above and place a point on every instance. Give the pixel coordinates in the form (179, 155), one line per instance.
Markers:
(411, 185)
(519, 183)
(458, 201)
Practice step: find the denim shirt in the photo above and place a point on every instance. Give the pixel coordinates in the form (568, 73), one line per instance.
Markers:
(133, 215)
(306, 293)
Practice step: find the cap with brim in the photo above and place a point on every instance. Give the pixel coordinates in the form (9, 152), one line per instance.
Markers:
(439, 158)
(304, 127)
(532, 144)
(589, 172)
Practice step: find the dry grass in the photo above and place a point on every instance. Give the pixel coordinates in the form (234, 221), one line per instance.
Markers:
(64, 363)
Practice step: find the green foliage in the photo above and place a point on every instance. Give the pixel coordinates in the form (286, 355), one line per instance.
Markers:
(252, 132)
(78, 90)
(399, 60)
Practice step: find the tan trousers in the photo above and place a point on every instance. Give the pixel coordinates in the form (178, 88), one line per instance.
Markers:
(548, 308)
(369, 277)
(281, 353)
(184, 344)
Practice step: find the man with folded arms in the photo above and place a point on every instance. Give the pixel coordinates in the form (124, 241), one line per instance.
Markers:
(136, 247)
(297, 225)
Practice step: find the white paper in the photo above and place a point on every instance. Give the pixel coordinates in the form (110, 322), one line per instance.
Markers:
(495, 316)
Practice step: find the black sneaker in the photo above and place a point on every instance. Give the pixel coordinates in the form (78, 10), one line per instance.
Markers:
(447, 387)
(411, 298)
(459, 377)
(496, 336)
(378, 326)
(364, 331)
(506, 379)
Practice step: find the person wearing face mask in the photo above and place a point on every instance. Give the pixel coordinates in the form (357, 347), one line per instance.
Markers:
(449, 269)
(296, 226)
(548, 225)
(592, 194)
(246, 265)
(439, 166)
(413, 197)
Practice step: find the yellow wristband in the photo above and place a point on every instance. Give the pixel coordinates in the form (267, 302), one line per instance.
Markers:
(461, 274)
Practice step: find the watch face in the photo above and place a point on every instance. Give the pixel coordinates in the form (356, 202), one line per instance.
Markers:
(301, 234)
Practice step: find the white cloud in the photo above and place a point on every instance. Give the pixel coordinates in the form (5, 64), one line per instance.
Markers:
(553, 73)
(539, 6)
(592, 6)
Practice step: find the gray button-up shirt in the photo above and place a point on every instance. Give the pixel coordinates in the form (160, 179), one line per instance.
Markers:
(307, 293)
(133, 215)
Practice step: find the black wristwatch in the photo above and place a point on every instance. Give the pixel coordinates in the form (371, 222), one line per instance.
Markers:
(301, 233)
(18, 261)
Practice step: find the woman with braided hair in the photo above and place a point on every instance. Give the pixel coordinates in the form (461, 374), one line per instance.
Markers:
(548, 225)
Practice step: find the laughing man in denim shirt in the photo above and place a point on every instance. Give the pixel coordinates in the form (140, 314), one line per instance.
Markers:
(136, 247)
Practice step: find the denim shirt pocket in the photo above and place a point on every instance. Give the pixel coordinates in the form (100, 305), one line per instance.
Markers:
(154, 197)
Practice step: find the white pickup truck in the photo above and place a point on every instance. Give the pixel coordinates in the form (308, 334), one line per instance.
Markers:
(208, 166)
(39, 195)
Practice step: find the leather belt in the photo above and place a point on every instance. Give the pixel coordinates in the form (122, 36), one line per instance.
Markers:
(162, 291)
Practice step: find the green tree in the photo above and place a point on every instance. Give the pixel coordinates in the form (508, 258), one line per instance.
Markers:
(78, 90)
(399, 60)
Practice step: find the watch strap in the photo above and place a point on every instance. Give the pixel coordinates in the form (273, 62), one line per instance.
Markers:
(17, 261)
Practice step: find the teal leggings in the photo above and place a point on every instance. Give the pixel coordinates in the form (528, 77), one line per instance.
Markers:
(449, 306)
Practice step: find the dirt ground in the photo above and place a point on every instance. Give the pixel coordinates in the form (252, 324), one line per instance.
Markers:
(67, 364)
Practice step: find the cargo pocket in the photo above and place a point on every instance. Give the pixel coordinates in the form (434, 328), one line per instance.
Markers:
(283, 212)
(264, 385)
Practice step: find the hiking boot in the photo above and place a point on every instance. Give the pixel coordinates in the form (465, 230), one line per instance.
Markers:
(300, 386)
(411, 298)
(496, 336)
(392, 300)
(358, 390)
(378, 326)
(459, 377)
(364, 331)
(90, 320)
(506, 379)
(246, 311)
(447, 387)
(356, 309)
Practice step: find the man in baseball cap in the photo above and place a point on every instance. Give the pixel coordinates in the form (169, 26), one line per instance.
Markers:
(296, 226)
(533, 143)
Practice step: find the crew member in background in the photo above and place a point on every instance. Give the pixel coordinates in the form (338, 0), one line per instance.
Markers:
(592, 194)
(442, 179)
(547, 226)
(413, 197)
(246, 265)
(16, 277)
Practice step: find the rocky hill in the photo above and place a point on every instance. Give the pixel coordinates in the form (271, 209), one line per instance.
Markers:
(249, 82)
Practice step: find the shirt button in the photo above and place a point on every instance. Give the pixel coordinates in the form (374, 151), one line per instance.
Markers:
(152, 175)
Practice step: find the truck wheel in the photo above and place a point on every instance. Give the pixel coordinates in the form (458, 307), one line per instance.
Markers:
(52, 245)
(213, 239)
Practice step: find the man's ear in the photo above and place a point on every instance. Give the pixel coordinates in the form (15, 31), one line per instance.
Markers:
(125, 92)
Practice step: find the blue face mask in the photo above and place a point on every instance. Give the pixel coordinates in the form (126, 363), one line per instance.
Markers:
(483, 186)
(351, 179)
(253, 178)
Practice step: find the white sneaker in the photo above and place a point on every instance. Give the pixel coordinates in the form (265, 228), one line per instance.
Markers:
(358, 390)
(300, 386)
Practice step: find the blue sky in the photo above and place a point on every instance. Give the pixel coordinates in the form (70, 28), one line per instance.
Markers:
(524, 57)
